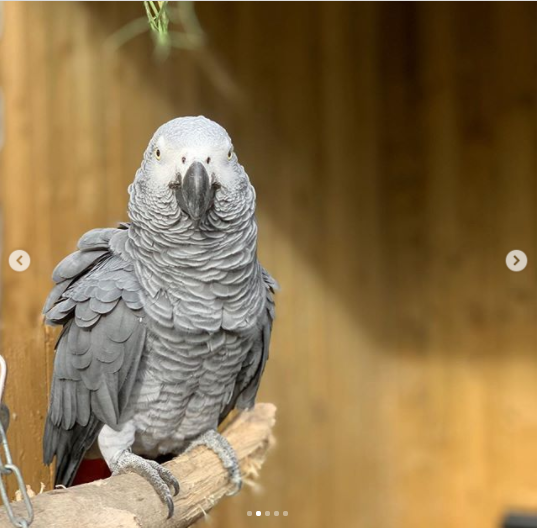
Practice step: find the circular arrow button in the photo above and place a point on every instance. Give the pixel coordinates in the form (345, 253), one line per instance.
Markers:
(19, 260)
(516, 260)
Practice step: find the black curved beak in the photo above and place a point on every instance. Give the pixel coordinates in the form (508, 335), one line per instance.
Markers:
(195, 193)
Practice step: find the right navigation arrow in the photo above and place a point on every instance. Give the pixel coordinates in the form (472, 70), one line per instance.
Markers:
(516, 260)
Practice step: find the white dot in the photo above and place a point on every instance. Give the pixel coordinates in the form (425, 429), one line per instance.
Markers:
(249, 513)
(276, 513)
(258, 513)
(267, 513)
(285, 514)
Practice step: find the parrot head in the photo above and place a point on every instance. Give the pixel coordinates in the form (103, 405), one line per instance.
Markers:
(188, 164)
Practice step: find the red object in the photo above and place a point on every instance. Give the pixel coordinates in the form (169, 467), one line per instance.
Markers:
(90, 470)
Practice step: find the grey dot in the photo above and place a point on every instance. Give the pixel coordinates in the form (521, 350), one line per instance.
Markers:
(276, 513)
(249, 513)
(285, 514)
(267, 513)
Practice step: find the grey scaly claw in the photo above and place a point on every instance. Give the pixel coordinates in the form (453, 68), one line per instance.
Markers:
(167, 476)
(160, 478)
(222, 448)
(169, 503)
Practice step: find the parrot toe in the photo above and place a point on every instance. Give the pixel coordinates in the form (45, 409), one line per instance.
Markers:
(222, 448)
(161, 479)
(167, 476)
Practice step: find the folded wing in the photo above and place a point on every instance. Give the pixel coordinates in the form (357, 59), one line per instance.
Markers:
(98, 300)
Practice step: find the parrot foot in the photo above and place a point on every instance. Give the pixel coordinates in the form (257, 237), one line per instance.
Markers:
(160, 478)
(222, 448)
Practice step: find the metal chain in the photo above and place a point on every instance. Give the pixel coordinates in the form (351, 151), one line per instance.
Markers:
(8, 468)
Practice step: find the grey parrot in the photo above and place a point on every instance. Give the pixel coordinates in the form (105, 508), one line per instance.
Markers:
(166, 319)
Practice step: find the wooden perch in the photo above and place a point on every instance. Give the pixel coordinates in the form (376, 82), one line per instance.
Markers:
(128, 501)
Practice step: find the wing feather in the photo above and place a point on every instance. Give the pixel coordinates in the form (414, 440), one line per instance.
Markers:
(98, 351)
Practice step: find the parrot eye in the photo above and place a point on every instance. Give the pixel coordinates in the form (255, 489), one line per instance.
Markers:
(230, 154)
(157, 154)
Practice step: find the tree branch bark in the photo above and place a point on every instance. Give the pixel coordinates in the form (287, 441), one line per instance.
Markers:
(128, 501)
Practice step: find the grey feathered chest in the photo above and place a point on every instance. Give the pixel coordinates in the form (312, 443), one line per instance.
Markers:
(204, 303)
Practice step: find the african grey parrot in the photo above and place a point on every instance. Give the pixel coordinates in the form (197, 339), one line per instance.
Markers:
(166, 319)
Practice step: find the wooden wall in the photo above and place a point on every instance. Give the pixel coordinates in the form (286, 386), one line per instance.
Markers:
(393, 147)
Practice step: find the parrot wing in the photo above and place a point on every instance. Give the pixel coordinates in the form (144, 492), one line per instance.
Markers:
(97, 299)
(249, 377)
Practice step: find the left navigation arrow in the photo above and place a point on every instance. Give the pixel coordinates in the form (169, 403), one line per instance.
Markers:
(19, 260)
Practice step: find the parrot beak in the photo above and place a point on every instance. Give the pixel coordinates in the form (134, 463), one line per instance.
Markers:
(195, 193)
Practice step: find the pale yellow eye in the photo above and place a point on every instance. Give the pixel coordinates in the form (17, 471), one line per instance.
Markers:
(230, 154)
(157, 154)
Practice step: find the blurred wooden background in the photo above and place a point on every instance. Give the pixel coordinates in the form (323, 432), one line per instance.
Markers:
(393, 147)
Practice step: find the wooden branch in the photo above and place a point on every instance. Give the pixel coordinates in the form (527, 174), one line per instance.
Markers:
(128, 501)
